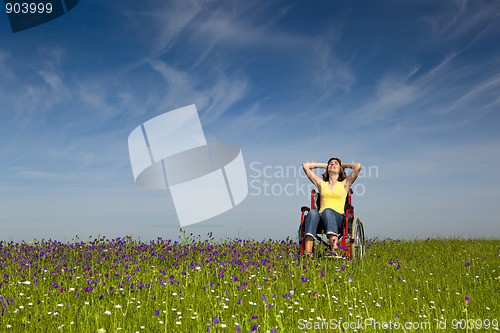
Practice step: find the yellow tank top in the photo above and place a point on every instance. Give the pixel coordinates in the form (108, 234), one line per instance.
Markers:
(334, 199)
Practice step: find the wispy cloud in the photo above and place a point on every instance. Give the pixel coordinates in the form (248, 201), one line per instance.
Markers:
(30, 97)
(244, 25)
(4, 69)
(246, 120)
(463, 18)
(393, 94)
(331, 72)
(212, 99)
(206, 23)
(483, 94)
(446, 88)
(189, 59)
(169, 19)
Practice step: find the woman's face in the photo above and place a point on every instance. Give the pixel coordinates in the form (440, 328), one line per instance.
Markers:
(334, 166)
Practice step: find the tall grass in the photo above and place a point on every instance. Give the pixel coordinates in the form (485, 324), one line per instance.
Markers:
(238, 285)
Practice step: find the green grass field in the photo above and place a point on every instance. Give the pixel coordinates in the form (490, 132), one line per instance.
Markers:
(191, 285)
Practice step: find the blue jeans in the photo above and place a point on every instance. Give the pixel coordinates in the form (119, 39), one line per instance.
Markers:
(333, 222)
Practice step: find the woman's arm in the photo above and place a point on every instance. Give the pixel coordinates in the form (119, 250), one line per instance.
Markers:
(314, 178)
(356, 168)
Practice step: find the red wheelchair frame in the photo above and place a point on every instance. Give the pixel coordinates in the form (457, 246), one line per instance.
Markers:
(352, 237)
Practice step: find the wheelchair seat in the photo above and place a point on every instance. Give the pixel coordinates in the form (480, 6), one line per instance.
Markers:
(351, 235)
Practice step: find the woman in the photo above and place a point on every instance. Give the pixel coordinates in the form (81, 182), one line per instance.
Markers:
(332, 190)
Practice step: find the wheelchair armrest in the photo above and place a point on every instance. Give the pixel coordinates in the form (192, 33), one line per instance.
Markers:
(305, 209)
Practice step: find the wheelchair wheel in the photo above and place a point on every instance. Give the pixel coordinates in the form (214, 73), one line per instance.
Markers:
(357, 240)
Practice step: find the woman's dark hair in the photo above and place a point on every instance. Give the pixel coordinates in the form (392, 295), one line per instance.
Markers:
(342, 175)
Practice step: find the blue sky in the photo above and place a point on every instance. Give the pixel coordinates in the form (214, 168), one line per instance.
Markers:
(411, 89)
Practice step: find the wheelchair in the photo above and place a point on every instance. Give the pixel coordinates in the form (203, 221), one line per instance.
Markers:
(352, 236)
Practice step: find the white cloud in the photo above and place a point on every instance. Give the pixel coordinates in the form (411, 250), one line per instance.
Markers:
(29, 96)
(197, 31)
(170, 19)
(55, 82)
(457, 19)
(484, 93)
(449, 87)
(393, 94)
(212, 101)
(4, 69)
